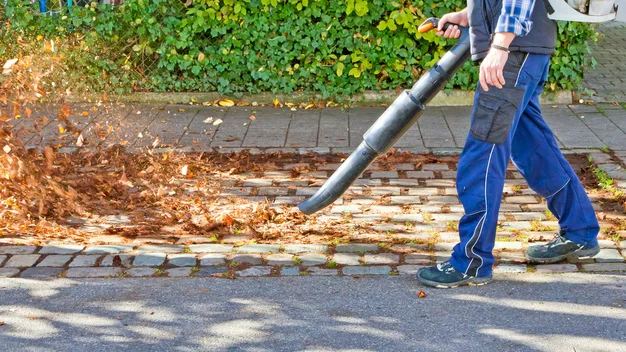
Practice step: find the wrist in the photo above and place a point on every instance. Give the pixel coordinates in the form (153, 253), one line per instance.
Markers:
(500, 48)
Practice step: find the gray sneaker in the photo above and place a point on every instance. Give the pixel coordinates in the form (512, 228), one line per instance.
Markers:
(558, 249)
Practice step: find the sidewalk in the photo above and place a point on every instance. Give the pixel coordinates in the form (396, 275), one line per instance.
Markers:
(187, 128)
(608, 79)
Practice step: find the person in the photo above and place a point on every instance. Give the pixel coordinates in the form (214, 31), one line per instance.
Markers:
(513, 44)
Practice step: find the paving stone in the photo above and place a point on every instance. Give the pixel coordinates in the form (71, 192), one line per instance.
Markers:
(179, 272)
(210, 271)
(182, 259)
(509, 246)
(417, 258)
(382, 258)
(17, 249)
(109, 249)
(211, 259)
(609, 256)
(442, 200)
(420, 174)
(257, 182)
(510, 268)
(447, 217)
(288, 200)
(306, 248)
(366, 270)
(313, 259)
(315, 271)
(65, 249)
(149, 259)
(254, 259)
(606, 244)
(512, 257)
(520, 199)
(255, 271)
(161, 248)
(404, 182)
(350, 209)
(384, 174)
(435, 167)
(93, 272)
(84, 260)
(41, 272)
(605, 267)
(529, 216)
(2, 259)
(141, 272)
(442, 256)
(368, 182)
(444, 247)
(22, 261)
(357, 247)
(211, 248)
(259, 248)
(409, 269)
(385, 191)
(124, 260)
(556, 268)
(273, 191)
(440, 183)
(55, 261)
(290, 271)
(423, 191)
(279, 259)
(10, 272)
(386, 209)
(346, 259)
(622, 244)
(402, 218)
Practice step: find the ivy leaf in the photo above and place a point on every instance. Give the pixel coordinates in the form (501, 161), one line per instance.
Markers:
(200, 57)
(340, 67)
(391, 24)
(350, 7)
(382, 25)
(360, 7)
(355, 72)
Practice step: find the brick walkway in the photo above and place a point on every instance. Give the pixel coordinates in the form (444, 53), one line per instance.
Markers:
(439, 130)
(608, 79)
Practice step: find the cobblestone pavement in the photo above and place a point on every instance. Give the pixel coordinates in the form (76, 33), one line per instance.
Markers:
(193, 128)
(412, 208)
(607, 80)
(413, 205)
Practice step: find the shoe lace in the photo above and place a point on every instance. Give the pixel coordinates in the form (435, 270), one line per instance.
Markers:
(559, 237)
(445, 267)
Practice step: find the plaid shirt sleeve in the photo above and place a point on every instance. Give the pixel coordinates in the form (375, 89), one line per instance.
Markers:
(515, 17)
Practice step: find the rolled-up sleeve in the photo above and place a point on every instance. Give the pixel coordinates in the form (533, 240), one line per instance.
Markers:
(516, 17)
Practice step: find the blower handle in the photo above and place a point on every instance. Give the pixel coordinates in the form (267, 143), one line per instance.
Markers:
(433, 23)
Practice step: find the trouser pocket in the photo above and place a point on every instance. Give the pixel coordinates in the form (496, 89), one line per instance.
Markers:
(494, 113)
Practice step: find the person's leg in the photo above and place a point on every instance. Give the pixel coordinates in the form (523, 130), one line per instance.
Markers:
(481, 172)
(537, 156)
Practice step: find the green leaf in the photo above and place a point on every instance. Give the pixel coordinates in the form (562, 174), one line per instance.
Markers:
(340, 67)
(355, 72)
(382, 25)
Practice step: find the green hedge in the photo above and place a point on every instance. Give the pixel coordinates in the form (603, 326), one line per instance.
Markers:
(336, 48)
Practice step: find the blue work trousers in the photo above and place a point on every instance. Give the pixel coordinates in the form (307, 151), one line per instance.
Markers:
(507, 124)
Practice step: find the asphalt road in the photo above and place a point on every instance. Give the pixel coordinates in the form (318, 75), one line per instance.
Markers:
(522, 312)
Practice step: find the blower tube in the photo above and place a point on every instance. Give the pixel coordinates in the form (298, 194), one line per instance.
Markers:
(393, 123)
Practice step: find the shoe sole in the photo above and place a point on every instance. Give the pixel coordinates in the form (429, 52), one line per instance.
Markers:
(474, 281)
(585, 253)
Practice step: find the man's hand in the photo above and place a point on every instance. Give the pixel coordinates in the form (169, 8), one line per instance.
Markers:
(459, 18)
(491, 69)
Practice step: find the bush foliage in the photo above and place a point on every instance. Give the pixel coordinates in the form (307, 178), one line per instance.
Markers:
(336, 48)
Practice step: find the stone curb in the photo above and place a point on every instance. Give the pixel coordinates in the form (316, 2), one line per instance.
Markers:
(353, 259)
(453, 97)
